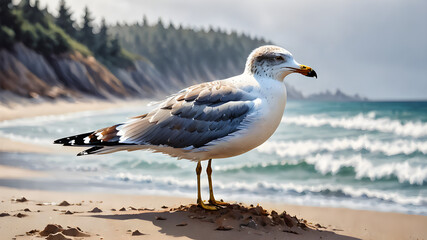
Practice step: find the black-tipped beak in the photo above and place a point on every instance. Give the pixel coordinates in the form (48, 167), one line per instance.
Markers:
(306, 71)
(312, 73)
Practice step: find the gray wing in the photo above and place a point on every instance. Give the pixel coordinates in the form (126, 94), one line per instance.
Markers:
(192, 118)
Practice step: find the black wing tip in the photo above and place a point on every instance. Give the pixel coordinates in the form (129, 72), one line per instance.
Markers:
(61, 140)
(91, 150)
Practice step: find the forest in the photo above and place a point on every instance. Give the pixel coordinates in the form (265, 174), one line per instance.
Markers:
(164, 46)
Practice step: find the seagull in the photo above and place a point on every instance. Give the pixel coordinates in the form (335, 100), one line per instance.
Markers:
(211, 120)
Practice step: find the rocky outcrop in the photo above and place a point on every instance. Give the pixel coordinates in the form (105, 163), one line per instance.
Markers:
(28, 74)
(338, 96)
(16, 78)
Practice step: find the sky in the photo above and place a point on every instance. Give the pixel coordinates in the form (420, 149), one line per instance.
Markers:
(376, 48)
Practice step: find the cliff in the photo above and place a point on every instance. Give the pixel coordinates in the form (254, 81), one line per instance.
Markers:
(25, 73)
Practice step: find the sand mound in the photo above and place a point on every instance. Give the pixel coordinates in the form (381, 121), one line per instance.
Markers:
(95, 210)
(51, 229)
(236, 216)
(74, 232)
(54, 231)
(137, 233)
(64, 204)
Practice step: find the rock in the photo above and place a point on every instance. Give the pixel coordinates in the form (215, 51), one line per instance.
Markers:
(96, 210)
(20, 215)
(302, 226)
(137, 233)
(74, 232)
(68, 212)
(264, 221)
(289, 221)
(23, 199)
(32, 232)
(164, 206)
(160, 218)
(64, 204)
(251, 224)
(132, 208)
(57, 236)
(51, 229)
(290, 231)
(224, 228)
(122, 209)
(319, 226)
(182, 224)
(258, 211)
(4, 214)
(277, 220)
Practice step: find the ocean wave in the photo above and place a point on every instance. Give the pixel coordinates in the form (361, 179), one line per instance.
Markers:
(366, 122)
(363, 168)
(405, 172)
(307, 147)
(267, 189)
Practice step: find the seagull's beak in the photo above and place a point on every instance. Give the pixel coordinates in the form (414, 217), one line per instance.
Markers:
(306, 70)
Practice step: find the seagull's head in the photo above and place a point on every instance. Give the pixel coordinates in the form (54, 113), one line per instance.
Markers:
(275, 62)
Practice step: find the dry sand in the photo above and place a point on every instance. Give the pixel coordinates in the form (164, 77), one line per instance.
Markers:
(155, 222)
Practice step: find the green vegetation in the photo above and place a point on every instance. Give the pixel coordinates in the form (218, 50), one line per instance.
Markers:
(42, 32)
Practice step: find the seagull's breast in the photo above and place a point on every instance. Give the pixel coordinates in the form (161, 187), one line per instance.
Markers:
(267, 114)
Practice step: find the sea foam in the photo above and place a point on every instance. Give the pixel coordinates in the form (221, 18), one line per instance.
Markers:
(307, 147)
(366, 122)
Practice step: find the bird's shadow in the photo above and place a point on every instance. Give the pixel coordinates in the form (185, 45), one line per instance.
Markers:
(184, 223)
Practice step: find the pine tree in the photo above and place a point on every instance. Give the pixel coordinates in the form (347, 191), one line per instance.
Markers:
(86, 32)
(115, 46)
(8, 24)
(144, 21)
(103, 32)
(64, 19)
(6, 16)
(33, 13)
(102, 39)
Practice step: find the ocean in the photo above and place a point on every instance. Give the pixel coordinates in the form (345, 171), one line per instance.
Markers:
(360, 155)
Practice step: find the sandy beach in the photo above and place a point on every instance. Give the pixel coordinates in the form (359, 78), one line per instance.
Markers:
(25, 213)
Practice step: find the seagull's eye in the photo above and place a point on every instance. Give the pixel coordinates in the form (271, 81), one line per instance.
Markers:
(280, 58)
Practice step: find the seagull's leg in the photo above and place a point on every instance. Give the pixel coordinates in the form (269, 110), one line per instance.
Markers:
(211, 194)
(199, 194)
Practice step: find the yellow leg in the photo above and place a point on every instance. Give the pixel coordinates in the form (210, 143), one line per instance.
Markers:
(211, 194)
(199, 194)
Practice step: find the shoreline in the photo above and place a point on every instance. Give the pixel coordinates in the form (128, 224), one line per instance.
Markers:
(343, 222)
(28, 110)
